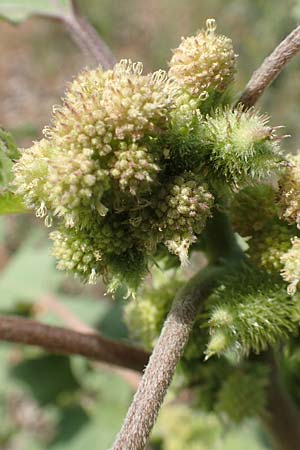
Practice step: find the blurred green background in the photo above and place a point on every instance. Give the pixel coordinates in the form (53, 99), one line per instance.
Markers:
(60, 403)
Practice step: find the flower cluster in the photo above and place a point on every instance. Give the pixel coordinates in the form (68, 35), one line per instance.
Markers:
(289, 195)
(180, 427)
(204, 62)
(291, 266)
(268, 247)
(129, 168)
(182, 209)
(99, 176)
(249, 400)
(257, 213)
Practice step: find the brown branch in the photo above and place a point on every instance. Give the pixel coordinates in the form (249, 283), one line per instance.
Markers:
(62, 340)
(270, 68)
(163, 361)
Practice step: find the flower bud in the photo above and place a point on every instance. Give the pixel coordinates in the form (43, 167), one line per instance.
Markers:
(219, 342)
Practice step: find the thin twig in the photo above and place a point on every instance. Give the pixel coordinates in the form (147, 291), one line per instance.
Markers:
(62, 340)
(270, 68)
(163, 361)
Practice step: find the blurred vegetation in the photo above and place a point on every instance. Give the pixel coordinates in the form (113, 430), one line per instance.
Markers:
(61, 403)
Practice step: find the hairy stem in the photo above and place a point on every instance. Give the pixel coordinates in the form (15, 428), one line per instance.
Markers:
(282, 419)
(163, 361)
(175, 334)
(270, 68)
(62, 340)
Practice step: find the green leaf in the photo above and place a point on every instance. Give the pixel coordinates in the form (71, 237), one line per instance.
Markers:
(7, 143)
(108, 402)
(11, 203)
(8, 153)
(17, 11)
(30, 274)
(55, 373)
(6, 173)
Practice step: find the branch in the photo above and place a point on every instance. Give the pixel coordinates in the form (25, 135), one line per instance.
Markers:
(270, 68)
(163, 361)
(62, 340)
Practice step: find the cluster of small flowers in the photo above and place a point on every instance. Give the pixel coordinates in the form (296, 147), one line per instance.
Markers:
(97, 169)
(182, 427)
(204, 62)
(267, 217)
(268, 247)
(127, 163)
(249, 400)
(182, 209)
(134, 167)
(289, 186)
(291, 266)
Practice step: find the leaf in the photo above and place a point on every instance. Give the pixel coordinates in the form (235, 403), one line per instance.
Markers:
(7, 143)
(8, 153)
(112, 324)
(55, 373)
(17, 11)
(6, 174)
(30, 274)
(107, 407)
(11, 203)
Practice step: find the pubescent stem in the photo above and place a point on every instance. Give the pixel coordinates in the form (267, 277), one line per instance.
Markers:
(175, 334)
(270, 69)
(70, 342)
